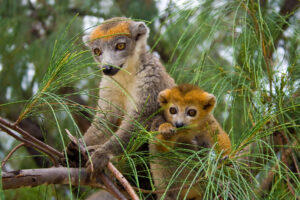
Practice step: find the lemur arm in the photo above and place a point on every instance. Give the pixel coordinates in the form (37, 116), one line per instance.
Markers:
(101, 129)
(117, 144)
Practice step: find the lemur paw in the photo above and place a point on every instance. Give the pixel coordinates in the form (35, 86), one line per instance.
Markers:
(167, 130)
(99, 159)
(76, 157)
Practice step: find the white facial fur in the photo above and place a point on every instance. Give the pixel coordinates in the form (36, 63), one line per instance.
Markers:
(125, 59)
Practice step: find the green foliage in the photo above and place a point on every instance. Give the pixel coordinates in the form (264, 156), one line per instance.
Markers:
(244, 52)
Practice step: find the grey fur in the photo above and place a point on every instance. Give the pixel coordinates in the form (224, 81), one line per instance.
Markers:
(126, 98)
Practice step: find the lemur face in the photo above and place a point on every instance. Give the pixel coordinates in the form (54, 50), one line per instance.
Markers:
(114, 43)
(186, 105)
(112, 54)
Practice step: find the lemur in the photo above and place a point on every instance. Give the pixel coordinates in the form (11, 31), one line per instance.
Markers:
(188, 120)
(132, 79)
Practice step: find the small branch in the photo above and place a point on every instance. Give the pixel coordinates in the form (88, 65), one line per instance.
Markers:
(10, 154)
(123, 181)
(29, 143)
(111, 187)
(29, 137)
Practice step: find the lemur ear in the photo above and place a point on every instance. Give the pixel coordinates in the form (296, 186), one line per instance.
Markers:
(86, 40)
(163, 97)
(139, 29)
(210, 102)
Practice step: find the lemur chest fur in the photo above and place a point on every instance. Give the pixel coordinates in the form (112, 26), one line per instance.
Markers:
(119, 90)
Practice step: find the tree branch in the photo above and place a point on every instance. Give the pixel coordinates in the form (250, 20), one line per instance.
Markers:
(29, 143)
(36, 177)
(60, 175)
(11, 153)
(29, 137)
(123, 181)
(110, 167)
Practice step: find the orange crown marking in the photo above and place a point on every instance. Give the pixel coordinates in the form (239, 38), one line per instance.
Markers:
(120, 29)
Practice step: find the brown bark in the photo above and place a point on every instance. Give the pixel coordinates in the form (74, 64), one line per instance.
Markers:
(36, 177)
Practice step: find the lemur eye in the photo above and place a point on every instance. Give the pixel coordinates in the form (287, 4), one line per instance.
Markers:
(97, 52)
(192, 112)
(120, 46)
(173, 110)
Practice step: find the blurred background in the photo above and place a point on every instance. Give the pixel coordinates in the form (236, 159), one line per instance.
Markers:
(244, 52)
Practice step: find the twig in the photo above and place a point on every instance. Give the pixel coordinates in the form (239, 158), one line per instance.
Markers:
(28, 136)
(10, 154)
(123, 181)
(111, 187)
(29, 143)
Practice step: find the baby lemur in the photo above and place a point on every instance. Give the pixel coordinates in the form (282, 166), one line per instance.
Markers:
(132, 79)
(187, 112)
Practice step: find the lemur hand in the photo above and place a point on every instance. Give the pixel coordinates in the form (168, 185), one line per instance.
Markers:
(76, 156)
(167, 130)
(98, 161)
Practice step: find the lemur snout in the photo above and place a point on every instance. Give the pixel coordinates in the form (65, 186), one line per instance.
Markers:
(110, 70)
(179, 124)
(107, 69)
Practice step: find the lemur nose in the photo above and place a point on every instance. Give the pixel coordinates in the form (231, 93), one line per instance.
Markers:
(179, 124)
(107, 69)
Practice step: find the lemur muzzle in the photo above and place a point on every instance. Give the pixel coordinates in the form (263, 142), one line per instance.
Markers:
(110, 70)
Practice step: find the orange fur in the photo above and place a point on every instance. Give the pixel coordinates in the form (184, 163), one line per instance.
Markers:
(203, 125)
(121, 28)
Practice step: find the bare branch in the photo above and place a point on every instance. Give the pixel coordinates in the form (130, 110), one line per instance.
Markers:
(111, 187)
(11, 153)
(123, 181)
(29, 143)
(36, 177)
(60, 175)
(29, 137)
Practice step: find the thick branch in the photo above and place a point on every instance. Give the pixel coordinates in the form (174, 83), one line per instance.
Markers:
(36, 177)
(60, 175)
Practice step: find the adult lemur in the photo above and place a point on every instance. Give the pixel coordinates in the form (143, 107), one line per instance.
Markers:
(132, 79)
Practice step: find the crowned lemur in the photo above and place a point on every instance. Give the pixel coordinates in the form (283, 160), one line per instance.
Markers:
(132, 79)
